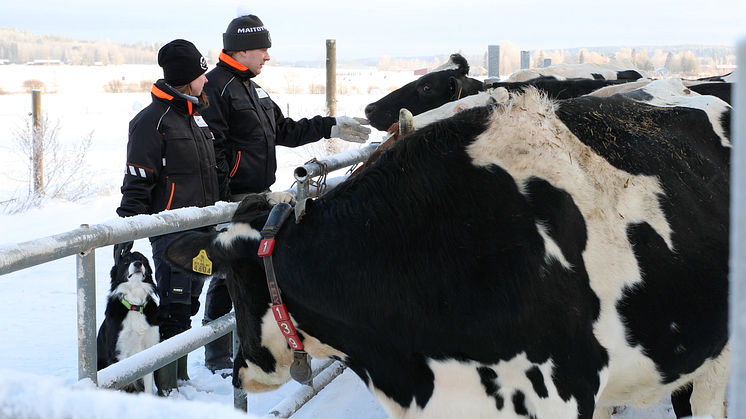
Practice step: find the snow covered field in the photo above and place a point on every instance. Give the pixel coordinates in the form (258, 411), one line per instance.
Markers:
(38, 340)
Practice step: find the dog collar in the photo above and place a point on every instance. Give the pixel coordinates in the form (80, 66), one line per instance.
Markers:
(132, 307)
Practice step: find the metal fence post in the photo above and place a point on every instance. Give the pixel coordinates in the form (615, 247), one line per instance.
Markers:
(737, 384)
(493, 59)
(547, 62)
(87, 355)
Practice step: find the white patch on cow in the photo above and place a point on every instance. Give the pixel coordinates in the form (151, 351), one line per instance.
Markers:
(535, 143)
(235, 231)
(553, 251)
(449, 109)
(459, 393)
(572, 71)
(255, 380)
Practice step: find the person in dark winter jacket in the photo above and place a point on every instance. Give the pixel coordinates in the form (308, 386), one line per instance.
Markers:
(247, 125)
(171, 164)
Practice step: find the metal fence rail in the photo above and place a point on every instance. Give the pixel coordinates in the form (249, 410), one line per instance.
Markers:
(82, 241)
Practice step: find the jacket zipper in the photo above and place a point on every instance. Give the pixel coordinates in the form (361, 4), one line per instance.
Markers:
(235, 168)
(171, 198)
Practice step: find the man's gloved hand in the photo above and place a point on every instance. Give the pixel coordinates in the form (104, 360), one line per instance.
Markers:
(275, 198)
(120, 249)
(350, 129)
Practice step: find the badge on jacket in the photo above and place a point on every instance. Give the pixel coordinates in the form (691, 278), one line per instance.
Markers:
(261, 93)
(200, 121)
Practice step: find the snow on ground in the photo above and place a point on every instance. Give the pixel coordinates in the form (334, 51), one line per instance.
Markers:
(38, 335)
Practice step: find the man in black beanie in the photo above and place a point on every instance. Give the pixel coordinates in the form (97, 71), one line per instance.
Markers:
(247, 125)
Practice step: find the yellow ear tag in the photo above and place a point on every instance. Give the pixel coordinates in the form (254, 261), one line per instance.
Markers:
(201, 264)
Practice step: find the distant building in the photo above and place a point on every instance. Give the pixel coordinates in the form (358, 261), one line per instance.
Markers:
(45, 62)
(420, 72)
(4, 62)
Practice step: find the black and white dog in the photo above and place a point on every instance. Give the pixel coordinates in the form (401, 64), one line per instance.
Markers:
(131, 320)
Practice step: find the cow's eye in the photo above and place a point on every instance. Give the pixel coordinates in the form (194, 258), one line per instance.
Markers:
(426, 89)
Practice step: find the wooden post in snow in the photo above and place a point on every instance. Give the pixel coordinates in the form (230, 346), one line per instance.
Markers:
(331, 76)
(37, 143)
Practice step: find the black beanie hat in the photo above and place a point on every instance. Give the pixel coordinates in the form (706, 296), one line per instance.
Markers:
(245, 33)
(181, 62)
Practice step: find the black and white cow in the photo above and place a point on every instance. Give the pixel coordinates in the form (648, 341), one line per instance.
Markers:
(439, 87)
(613, 70)
(535, 258)
(445, 84)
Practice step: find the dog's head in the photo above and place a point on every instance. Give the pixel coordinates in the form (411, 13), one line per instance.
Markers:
(132, 267)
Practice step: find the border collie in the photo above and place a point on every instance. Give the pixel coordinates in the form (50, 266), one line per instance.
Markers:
(131, 320)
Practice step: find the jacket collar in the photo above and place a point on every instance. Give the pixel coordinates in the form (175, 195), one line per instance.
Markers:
(161, 90)
(240, 70)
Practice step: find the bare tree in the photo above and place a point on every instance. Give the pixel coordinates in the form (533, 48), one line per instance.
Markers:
(66, 174)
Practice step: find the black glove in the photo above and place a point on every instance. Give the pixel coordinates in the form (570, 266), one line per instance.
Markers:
(121, 249)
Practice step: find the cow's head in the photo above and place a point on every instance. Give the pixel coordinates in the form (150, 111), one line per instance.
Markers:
(263, 360)
(447, 83)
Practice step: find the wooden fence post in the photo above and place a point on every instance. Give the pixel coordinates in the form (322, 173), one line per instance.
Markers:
(331, 76)
(37, 143)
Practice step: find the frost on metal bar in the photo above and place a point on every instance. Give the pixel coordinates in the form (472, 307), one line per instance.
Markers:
(737, 384)
(14, 257)
(335, 162)
(323, 374)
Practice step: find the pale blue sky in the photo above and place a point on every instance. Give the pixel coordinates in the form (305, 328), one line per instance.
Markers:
(402, 28)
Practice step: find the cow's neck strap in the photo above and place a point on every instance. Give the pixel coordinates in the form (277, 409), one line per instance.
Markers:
(300, 370)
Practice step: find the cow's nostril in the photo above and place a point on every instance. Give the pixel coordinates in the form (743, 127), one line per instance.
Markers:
(370, 109)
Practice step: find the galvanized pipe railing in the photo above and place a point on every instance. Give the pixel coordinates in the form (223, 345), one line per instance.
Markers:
(83, 241)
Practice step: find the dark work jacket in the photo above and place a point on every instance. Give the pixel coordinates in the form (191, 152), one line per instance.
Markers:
(170, 157)
(248, 124)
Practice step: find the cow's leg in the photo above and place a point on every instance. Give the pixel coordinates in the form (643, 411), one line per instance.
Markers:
(708, 392)
(680, 399)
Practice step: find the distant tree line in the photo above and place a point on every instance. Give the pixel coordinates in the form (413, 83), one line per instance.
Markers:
(686, 60)
(20, 47)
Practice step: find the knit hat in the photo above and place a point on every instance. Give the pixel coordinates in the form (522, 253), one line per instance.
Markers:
(181, 62)
(246, 32)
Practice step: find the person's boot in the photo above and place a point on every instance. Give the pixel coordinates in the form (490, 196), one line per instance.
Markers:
(165, 379)
(218, 353)
(181, 371)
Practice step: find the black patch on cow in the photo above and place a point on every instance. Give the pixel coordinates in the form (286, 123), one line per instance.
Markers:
(537, 381)
(678, 313)
(597, 76)
(725, 123)
(488, 377)
(630, 75)
(519, 404)
(557, 89)
(723, 90)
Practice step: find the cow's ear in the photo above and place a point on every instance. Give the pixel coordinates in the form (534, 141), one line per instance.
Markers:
(192, 253)
(456, 88)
